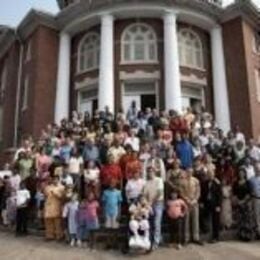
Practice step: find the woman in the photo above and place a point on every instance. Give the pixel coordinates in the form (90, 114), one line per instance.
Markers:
(91, 179)
(245, 216)
(43, 162)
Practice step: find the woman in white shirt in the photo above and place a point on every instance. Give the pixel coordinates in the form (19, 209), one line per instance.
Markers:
(91, 178)
(134, 187)
(75, 167)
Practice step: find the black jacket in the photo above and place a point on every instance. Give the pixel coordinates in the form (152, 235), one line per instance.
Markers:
(211, 194)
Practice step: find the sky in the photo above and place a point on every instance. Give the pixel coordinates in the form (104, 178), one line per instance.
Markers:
(13, 11)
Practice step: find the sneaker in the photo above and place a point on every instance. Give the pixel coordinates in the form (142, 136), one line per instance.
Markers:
(79, 243)
(179, 247)
(72, 242)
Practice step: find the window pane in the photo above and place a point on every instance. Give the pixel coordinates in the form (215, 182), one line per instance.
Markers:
(139, 51)
(127, 52)
(152, 51)
(199, 61)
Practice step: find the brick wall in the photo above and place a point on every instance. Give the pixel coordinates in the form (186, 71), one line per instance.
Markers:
(237, 78)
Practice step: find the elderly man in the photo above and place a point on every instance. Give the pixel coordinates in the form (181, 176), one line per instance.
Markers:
(154, 193)
(190, 192)
(155, 162)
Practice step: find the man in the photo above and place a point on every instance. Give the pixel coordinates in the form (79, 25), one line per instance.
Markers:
(54, 193)
(184, 151)
(190, 192)
(154, 193)
(22, 200)
(116, 150)
(133, 140)
(255, 192)
(211, 197)
(155, 162)
(254, 151)
(91, 151)
(25, 164)
(249, 168)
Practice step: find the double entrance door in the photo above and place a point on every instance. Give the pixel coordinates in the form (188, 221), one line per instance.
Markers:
(144, 94)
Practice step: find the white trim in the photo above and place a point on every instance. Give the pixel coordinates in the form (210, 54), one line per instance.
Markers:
(28, 55)
(18, 93)
(86, 83)
(96, 50)
(192, 78)
(139, 74)
(26, 93)
(257, 84)
(146, 43)
(141, 10)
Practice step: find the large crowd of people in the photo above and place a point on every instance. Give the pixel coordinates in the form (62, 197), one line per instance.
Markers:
(153, 170)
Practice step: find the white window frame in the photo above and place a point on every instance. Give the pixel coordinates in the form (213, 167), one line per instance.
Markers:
(123, 42)
(28, 55)
(25, 94)
(1, 123)
(96, 52)
(257, 84)
(3, 80)
(182, 49)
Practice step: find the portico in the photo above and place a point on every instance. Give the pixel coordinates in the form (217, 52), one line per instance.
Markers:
(148, 90)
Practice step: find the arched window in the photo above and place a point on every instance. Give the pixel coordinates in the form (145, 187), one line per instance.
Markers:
(190, 49)
(88, 52)
(139, 44)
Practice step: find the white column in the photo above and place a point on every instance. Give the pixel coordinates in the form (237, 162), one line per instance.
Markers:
(106, 67)
(63, 79)
(171, 62)
(221, 103)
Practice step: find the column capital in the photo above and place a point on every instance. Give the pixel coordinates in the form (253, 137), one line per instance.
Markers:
(106, 18)
(170, 16)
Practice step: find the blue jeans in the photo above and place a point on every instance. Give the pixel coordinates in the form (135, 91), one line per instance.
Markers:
(158, 208)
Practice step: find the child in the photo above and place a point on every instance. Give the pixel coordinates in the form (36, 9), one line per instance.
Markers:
(69, 211)
(22, 200)
(139, 225)
(226, 206)
(39, 197)
(11, 209)
(87, 217)
(177, 210)
(112, 199)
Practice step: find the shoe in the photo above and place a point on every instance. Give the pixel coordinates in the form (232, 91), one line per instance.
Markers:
(79, 243)
(154, 247)
(72, 242)
(179, 247)
(198, 242)
(213, 241)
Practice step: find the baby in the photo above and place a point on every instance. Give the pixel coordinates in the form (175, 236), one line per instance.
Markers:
(139, 225)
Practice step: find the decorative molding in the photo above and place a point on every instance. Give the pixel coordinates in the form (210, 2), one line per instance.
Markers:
(193, 78)
(86, 83)
(139, 75)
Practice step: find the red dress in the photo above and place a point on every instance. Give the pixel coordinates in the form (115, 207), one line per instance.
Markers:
(110, 172)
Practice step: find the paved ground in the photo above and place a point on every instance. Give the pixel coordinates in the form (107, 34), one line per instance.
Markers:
(34, 248)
